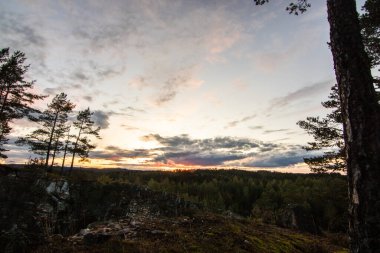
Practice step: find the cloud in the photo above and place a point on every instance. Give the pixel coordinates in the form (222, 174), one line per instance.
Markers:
(174, 55)
(139, 82)
(62, 88)
(168, 83)
(134, 109)
(269, 146)
(300, 94)
(21, 33)
(75, 86)
(170, 90)
(101, 119)
(88, 98)
(236, 122)
(171, 142)
(192, 158)
(117, 154)
(80, 76)
(52, 91)
(57, 35)
(275, 131)
(185, 142)
(183, 150)
(128, 127)
(95, 41)
(111, 103)
(256, 127)
(279, 160)
(181, 79)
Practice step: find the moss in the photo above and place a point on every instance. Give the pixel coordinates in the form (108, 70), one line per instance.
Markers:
(235, 228)
(259, 243)
(206, 233)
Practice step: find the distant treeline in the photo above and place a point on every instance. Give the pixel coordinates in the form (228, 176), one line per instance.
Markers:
(259, 195)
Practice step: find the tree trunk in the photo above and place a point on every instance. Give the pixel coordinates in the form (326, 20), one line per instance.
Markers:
(4, 102)
(63, 159)
(361, 121)
(65, 151)
(54, 152)
(75, 147)
(50, 140)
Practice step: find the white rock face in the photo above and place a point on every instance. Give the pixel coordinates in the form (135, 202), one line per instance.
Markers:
(59, 188)
(51, 187)
(84, 231)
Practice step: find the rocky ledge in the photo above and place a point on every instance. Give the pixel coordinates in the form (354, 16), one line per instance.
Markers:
(198, 233)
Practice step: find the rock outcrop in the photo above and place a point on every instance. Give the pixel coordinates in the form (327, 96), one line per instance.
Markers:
(297, 217)
(35, 207)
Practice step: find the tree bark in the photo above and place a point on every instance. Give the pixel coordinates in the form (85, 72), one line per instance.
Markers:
(361, 121)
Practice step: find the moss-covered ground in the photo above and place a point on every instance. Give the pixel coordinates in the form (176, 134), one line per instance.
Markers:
(202, 233)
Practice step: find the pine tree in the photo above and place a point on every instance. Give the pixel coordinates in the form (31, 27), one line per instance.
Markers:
(361, 120)
(370, 23)
(60, 132)
(67, 142)
(16, 97)
(46, 140)
(328, 136)
(82, 144)
(4, 131)
(328, 131)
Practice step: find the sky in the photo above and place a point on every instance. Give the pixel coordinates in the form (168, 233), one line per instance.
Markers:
(178, 83)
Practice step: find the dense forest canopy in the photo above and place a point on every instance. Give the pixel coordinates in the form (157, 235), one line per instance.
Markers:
(262, 195)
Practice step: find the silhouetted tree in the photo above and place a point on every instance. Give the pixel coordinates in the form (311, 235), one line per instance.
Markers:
(16, 96)
(361, 120)
(82, 144)
(46, 140)
(60, 132)
(67, 143)
(5, 130)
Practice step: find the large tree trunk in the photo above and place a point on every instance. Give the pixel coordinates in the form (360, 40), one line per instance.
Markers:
(361, 121)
